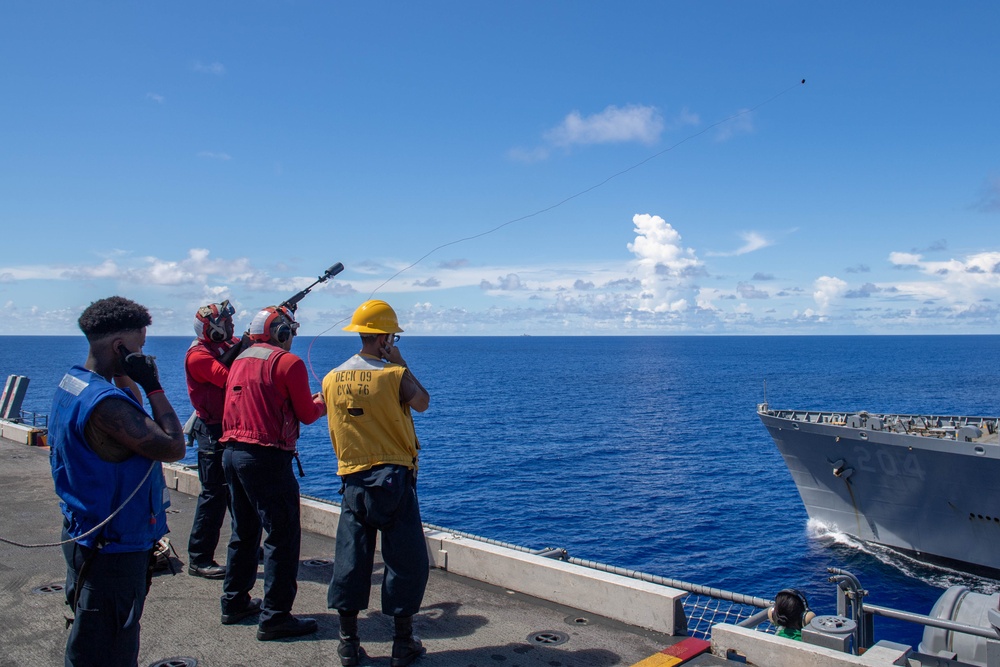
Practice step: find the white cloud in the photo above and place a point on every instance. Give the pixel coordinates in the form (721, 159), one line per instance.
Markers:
(504, 283)
(685, 117)
(159, 99)
(751, 241)
(826, 289)
(210, 155)
(961, 282)
(663, 264)
(215, 68)
(748, 291)
(613, 125)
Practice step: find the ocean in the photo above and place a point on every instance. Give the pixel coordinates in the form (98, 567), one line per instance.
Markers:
(640, 452)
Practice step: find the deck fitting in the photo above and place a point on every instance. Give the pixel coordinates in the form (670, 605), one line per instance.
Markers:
(54, 587)
(176, 662)
(548, 638)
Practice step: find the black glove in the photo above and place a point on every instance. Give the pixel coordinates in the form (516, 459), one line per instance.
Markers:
(142, 369)
(229, 356)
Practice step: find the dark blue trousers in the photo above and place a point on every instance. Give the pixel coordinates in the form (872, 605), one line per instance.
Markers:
(264, 496)
(213, 500)
(382, 499)
(111, 599)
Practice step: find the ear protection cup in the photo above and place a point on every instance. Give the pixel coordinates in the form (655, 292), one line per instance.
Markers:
(283, 332)
(216, 332)
(211, 321)
(807, 613)
(283, 323)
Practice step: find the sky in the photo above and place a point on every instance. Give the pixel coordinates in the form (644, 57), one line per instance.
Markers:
(506, 168)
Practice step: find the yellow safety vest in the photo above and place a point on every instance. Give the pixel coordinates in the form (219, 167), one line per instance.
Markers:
(368, 424)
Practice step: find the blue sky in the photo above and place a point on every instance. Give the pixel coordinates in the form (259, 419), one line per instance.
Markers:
(564, 168)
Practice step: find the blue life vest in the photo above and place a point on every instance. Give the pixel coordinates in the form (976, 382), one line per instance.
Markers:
(91, 488)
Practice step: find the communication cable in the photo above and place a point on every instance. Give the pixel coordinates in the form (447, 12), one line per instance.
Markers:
(92, 530)
(693, 135)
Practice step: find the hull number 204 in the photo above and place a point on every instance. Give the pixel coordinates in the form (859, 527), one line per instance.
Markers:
(888, 463)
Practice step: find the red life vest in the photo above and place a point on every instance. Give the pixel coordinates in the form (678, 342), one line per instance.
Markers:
(207, 399)
(255, 409)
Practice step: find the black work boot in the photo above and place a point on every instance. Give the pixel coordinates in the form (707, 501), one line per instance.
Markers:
(349, 648)
(405, 647)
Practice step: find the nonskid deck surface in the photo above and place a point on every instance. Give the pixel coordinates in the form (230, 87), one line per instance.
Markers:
(462, 623)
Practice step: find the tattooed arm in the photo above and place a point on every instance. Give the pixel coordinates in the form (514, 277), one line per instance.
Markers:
(117, 429)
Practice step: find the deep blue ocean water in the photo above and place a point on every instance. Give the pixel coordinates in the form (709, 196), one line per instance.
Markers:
(641, 452)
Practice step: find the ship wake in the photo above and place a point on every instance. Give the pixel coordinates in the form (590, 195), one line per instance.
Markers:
(931, 574)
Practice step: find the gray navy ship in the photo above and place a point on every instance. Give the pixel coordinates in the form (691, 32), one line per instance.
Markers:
(926, 485)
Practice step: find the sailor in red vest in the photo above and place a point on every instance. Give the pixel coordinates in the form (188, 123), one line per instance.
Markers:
(267, 395)
(206, 366)
(106, 454)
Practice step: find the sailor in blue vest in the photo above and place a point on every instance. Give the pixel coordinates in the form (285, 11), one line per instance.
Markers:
(106, 454)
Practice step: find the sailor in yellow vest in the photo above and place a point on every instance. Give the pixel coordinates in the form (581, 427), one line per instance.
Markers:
(368, 399)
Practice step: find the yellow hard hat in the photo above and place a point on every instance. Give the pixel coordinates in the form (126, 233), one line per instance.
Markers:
(374, 317)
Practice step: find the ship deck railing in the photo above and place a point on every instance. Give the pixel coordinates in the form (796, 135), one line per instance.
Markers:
(949, 427)
(704, 606)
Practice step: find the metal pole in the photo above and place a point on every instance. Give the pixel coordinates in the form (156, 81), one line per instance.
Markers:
(910, 617)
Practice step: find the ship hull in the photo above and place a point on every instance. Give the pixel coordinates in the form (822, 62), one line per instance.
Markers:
(932, 492)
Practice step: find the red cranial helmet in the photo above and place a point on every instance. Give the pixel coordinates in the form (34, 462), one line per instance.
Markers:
(214, 322)
(273, 324)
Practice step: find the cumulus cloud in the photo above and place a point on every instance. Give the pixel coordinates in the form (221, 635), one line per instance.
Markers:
(507, 283)
(198, 270)
(663, 264)
(748, 291)
(763, 276)
(613, 125)
(961, 281)
(632, 123)
(858, 268)
(825, 290)
(428, 282)
(863, 292)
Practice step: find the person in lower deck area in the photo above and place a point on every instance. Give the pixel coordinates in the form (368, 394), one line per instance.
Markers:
(267, 395)
(790, 613)
(369, 398)
(206, 367)
(104, 447)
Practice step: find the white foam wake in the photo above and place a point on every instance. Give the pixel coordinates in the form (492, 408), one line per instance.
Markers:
(935, 575)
